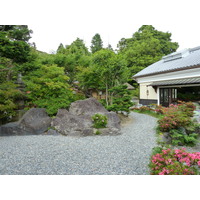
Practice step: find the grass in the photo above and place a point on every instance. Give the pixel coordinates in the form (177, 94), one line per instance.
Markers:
(147, 112)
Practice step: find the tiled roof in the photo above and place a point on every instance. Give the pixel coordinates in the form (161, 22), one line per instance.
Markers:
(183, 81)
(174, 61)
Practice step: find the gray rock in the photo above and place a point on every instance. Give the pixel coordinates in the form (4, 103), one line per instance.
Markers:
(113, 120)
(34, 121)
(69, 124)
(51, 132)
(78, 122)
(87, 107)
(12, 128)
(166, 138)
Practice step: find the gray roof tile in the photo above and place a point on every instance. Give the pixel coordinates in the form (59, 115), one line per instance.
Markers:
(177, 60)
(177, 82)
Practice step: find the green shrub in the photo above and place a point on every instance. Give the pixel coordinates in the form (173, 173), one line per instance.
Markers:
(97, 132)
(187, 108)
(177, 121)
(121, 99)
(99, 121)
(8, 97)
(175, 116)
(180, 138)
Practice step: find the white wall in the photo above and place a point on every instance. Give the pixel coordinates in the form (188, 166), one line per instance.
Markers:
(169, 76)
(143, 91)
(145, 81)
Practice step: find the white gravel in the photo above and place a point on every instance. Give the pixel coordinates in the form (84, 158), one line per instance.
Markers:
(126, 154)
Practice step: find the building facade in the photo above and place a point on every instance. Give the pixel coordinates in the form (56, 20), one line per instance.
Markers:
(175, 77)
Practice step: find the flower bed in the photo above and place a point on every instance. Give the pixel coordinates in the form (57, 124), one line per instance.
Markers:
(177, 122)
(175, 162)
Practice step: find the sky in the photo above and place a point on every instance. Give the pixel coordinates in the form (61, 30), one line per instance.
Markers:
(62, 21)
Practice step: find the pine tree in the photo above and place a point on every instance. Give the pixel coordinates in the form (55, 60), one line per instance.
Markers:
(97, 43)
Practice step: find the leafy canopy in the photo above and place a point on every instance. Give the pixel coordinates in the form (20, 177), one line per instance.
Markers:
(97, 43)
(47, 88)
(146, 47)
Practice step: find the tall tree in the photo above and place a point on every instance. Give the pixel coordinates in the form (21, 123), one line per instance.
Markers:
(97, 43)
(111, 70)
(47, 87)
(109, 47)
(73, 56)
(60, 49)
(147, 46)
(14, 52)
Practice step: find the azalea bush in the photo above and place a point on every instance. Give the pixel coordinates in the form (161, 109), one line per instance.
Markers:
(176, 116)
(187, 108)
(177, 122)
(159, 109)
(174, 162)
(99, 121)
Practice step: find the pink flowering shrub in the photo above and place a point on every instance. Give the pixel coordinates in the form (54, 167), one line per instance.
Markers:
(175, 162)
(159, 109)
(176, 116)
(187, 108)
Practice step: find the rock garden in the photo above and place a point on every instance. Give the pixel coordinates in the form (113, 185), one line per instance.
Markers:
(79, 120)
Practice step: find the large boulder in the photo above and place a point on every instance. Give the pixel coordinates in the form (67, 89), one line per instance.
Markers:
(34, 121)
(87, 107)
(67, 123)
(78, 122)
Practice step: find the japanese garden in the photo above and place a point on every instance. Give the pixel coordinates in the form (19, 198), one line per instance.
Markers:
(99, 110)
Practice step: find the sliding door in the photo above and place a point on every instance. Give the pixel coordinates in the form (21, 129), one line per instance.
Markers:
(168, 96)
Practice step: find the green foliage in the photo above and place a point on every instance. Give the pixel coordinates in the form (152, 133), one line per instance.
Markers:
(177, 121)
(135, 92)
(174, 117)
(156, 150)
(180, 138)
(99, 121)
(111, 70)
(47, 88)
(147, 110)
(17, 32)
(35, 61)
(14, 52)
(13, 43)
(8, 97)
(97, 132)
(73, 58)
(97, 43)
(88, 78)
(146, 47)
(60, 49)
(121, 99)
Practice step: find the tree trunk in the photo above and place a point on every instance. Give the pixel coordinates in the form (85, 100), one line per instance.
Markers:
(106, 93)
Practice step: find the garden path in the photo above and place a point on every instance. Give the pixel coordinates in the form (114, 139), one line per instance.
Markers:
(126, 154)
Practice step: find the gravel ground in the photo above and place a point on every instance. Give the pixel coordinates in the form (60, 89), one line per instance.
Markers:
(126, 154)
